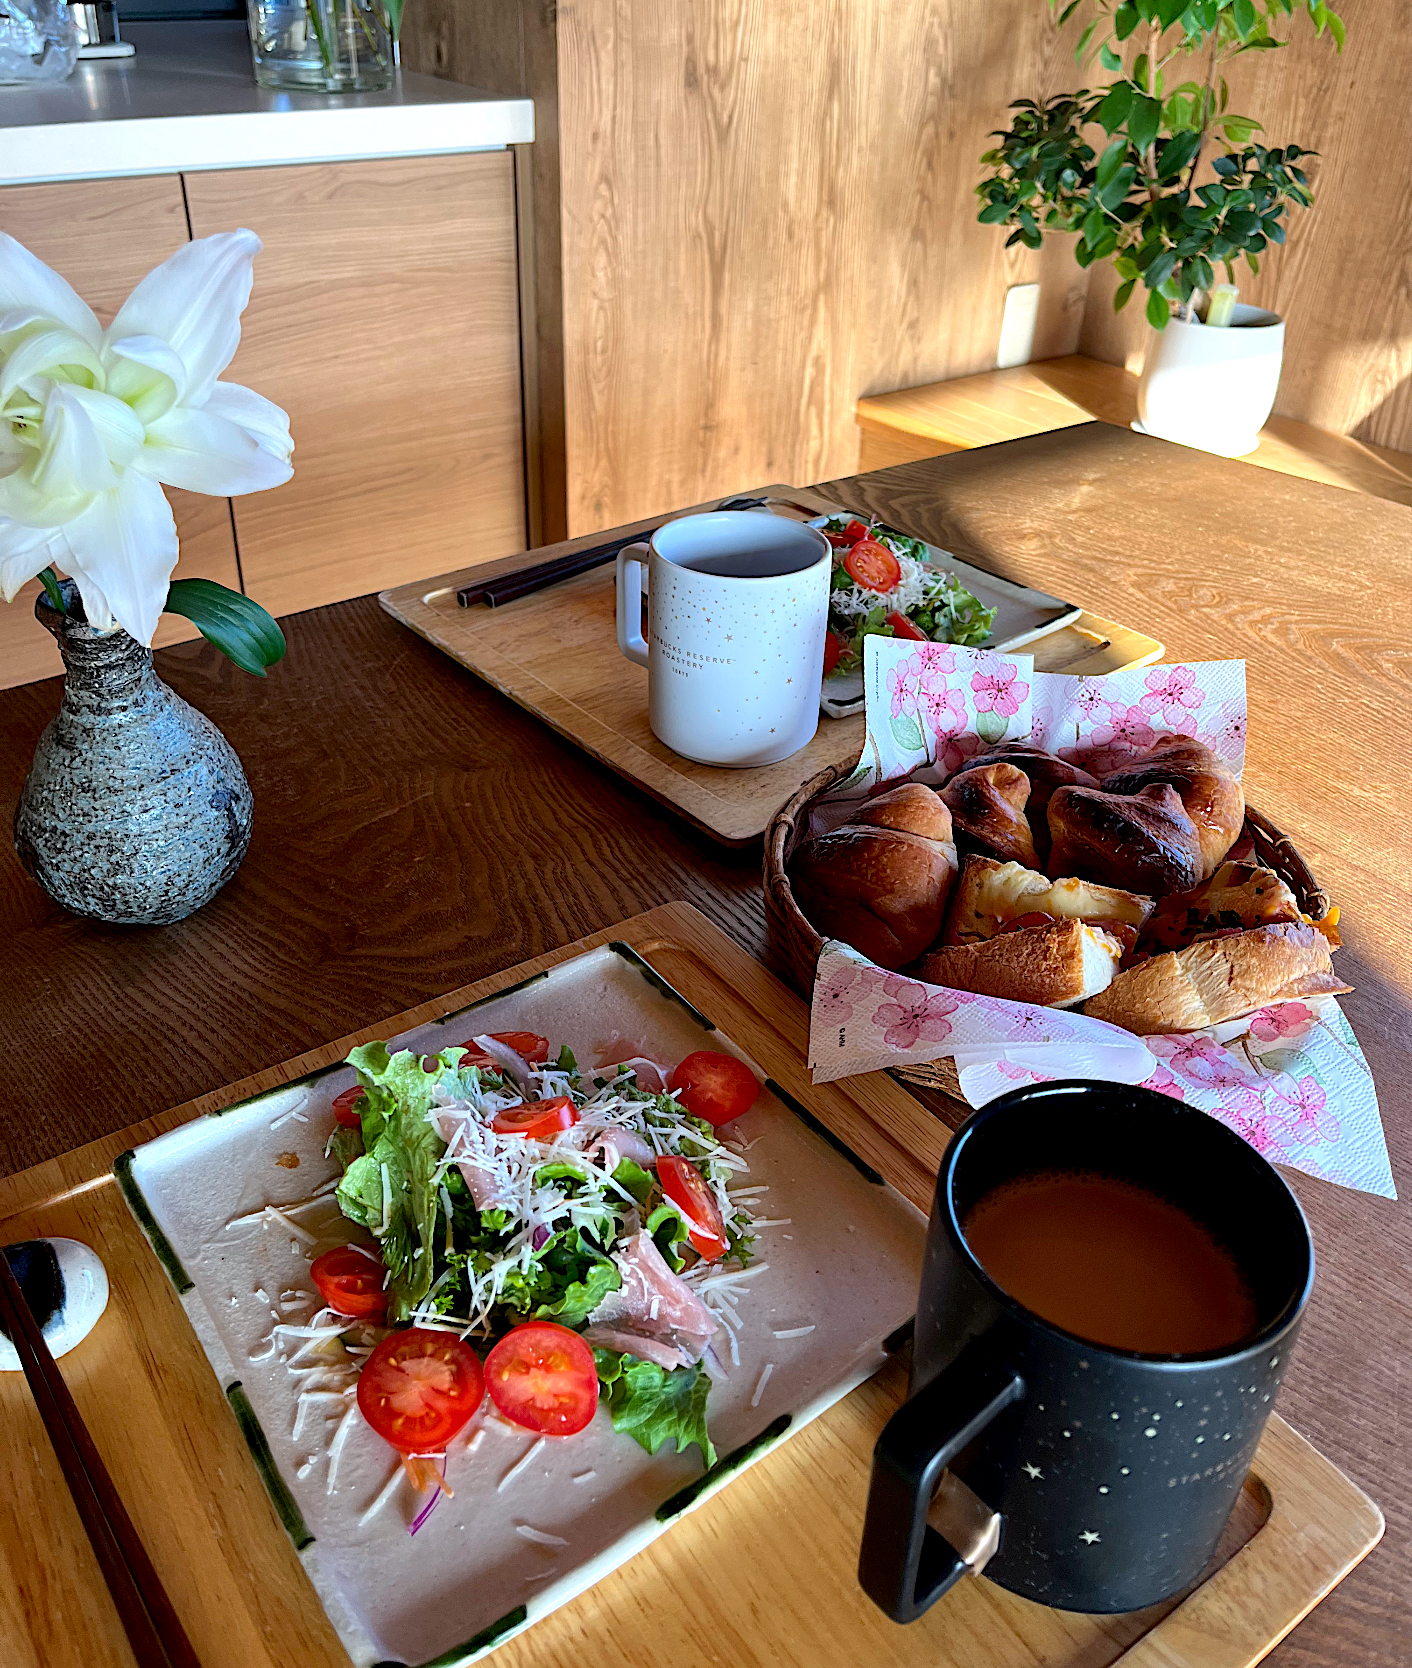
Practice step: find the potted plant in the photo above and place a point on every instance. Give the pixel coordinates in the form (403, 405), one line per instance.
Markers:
(136, 809)
(1173, 189)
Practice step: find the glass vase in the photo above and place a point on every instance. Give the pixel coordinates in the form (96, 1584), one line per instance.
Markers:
(321, 46)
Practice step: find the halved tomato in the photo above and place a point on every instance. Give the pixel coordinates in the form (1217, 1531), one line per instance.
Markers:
(345, 1107)
(531, 1048)
(834, 646)
(903, 627)
(540, 1120)
(542, 1376)
(687, 1188)
(851, 534)
(419, 1387)
(873, 566)
(716, 1087)
(350, 1282)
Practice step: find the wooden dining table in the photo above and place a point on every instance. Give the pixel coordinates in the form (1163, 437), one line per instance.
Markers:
(415, 831)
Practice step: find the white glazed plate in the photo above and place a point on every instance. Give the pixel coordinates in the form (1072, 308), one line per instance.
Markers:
(847, 1264)
(1022, 615)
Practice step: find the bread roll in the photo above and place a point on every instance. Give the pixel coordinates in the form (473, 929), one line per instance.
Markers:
(1144, 843)
(990, 894)
(1045, 772)
(988, 806)
(914, 808)
(1219, 979)
(882, 890)
(1237, 895)
(1053, 966)
(1210, 794)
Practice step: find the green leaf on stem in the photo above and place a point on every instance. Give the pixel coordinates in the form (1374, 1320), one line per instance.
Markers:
(238, 626)
(1113, 111)
(50, 581)
(1125, 20)
(1123, 294)
(1110, 162)
(1158, 311)
(1143, 117)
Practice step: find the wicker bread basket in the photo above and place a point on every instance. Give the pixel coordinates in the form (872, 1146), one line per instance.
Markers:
(797, 946)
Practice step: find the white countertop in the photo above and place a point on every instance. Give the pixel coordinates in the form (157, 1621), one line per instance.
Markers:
(188, 101)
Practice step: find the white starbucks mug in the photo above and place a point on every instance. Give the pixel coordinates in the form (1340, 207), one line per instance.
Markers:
(737, 607)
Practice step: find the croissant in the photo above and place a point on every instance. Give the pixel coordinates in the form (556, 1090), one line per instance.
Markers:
(1143, 842)
(988, 806)
(1210, 794)
(1046, 772)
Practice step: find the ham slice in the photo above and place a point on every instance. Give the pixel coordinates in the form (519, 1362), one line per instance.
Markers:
(654, 1311)
(610, 1145)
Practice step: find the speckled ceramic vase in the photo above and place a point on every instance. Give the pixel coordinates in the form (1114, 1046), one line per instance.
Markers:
(135, 810)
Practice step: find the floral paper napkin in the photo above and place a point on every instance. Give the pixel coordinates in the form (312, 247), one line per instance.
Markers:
(1292, 1081)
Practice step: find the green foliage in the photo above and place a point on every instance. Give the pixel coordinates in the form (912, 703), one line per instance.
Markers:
(1136, 201)
(238, 626)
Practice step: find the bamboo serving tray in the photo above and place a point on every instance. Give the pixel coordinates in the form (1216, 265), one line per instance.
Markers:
(761, 1574)
(555, 653)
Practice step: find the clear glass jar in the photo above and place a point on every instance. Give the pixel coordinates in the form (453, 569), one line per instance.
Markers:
(321, 46)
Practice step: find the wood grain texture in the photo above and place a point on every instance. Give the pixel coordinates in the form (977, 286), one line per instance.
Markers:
(555, 652)
(1299, 1525)
(385, 320)
(415, 831)
(749, 214)
(1343, 281)
(1057, 393)
(103, 236)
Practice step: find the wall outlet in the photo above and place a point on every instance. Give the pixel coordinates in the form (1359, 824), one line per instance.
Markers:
(1017, 326)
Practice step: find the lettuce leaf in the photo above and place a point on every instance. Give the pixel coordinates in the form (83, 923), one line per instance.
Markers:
(669, 1228)
(654, 1406)
(577, 1301)
(632, 1178)
(400, 1144)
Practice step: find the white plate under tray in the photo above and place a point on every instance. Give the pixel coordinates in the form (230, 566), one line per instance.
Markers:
(847, 1263)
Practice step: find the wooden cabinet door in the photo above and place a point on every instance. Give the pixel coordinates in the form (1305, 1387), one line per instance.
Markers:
(385, 321)
(103, 235)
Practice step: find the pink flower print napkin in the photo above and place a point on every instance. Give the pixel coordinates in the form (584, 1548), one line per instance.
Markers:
(1292, 1080)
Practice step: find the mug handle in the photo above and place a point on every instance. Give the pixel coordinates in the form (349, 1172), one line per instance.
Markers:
(630, 564)
(905, 1565)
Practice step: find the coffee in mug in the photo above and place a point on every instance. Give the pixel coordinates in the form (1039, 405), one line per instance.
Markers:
(737, 606)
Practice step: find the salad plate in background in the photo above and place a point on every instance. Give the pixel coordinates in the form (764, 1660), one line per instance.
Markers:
(802, 1262)
(886, 583)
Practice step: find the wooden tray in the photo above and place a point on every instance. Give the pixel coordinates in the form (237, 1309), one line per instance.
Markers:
(760, 1575)
(556, 654)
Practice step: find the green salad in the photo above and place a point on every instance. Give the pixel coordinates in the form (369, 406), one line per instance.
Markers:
(884, 586)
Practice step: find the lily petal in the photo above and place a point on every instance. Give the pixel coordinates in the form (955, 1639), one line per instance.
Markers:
(55, 352)
(262, 419)
(204, 453)
(27, 284)
(73, 458)
(121, 552)
(194, 301)
(118, 428)
(24, 552)
(144, 373)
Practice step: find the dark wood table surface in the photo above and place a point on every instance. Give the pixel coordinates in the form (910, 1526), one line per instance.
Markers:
(415, 831)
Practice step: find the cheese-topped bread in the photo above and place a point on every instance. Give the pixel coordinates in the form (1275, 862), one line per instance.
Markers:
(1053, 966)
(989, 895)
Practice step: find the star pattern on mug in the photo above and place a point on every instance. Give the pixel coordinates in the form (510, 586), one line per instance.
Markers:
(1089, 1538)
(1033, 1471)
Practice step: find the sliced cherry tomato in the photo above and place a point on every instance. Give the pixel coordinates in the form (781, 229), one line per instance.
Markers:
(687, 1188)
(419, 1387)
(851, 534)
(542, 1376)
(345, 1107)
(532, 1049)
(716, 1087)
(873, 566)
(350, 1282)
(834, 646)
(540, 1120)
(903, 627)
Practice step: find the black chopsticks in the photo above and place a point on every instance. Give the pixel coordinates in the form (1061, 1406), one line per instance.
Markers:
(156, 1635)
(508, 587)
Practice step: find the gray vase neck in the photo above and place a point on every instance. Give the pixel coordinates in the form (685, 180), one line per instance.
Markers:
(105, 670)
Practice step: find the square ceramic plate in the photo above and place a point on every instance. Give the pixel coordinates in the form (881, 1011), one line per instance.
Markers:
(844, 1260)
(1022, 615)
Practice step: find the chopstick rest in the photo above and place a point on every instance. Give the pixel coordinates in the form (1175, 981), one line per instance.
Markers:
(66, 1287)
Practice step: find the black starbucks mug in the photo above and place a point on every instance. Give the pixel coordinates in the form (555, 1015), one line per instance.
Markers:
(1082, 1476)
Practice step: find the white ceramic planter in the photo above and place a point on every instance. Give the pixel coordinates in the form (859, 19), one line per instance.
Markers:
(1209, 387)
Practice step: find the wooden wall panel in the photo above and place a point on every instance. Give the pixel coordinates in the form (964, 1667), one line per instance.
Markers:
(385, 321)
(1343, 282)
(103, 236)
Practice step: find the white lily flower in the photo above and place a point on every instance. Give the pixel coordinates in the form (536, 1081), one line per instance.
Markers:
(93, 422)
